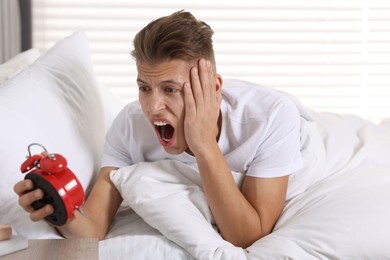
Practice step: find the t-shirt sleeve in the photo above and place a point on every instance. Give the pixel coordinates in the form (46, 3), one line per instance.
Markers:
(279, 154)
(116, 152)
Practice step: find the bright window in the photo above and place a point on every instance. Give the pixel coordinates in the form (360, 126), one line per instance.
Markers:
(333, 55)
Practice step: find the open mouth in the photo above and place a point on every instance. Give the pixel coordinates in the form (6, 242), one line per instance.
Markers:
(165, 130)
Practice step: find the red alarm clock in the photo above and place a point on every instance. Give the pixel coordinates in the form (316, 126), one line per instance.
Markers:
(62, 189)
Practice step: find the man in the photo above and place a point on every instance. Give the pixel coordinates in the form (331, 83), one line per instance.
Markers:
(181, 102)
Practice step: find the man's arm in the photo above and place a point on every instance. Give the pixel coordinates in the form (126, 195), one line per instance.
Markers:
(100, 207)
(242, 217)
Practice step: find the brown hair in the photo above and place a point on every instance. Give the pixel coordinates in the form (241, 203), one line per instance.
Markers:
(177, 36)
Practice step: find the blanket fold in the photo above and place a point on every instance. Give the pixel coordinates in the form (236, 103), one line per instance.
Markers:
(168, 196)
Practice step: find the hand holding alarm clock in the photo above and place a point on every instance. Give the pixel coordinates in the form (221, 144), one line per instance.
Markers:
(62, 189)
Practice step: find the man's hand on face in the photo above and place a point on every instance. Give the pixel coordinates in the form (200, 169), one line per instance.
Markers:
(201, 107)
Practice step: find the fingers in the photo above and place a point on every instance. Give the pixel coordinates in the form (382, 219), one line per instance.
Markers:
(213, 87)
(23, 186)
(196, 88)
(205, 79)
(189, 100)
(42, 213)
(203, 83)
(27, 197)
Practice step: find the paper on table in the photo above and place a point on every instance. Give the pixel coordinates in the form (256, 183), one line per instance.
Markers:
(16, 243)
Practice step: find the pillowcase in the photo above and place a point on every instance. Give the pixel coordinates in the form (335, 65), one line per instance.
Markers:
(54, 102)
(15, 65)
(112, 105)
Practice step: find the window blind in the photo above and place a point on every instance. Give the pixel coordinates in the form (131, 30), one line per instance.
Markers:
(333, 55)
(10, 28)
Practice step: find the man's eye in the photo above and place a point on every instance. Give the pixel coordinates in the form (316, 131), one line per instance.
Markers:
(142, 89)
(171, 90)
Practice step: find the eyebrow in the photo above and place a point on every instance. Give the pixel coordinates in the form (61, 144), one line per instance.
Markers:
(163, 82)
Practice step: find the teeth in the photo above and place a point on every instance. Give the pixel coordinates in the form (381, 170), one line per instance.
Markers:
(162, 129)
(159, 123)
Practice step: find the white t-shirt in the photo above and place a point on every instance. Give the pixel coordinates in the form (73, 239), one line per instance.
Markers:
(260, 134)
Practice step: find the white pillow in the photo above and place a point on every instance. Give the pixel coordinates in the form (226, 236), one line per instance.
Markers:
(54, 102)
(112, 105)
(18, 63)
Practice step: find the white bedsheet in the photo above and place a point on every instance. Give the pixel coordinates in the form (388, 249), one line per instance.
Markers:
(131, 238)
(338, 206)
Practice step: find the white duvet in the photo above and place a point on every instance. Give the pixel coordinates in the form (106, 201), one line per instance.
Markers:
(338, 206)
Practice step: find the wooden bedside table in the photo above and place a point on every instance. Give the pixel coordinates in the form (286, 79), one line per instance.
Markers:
(60, 249)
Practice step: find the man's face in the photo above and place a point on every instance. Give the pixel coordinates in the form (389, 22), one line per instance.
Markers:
(161, 96)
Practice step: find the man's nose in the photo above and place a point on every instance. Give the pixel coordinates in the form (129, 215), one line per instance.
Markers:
(156, 102)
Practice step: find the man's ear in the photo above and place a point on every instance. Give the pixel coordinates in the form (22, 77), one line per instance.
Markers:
(218, 83)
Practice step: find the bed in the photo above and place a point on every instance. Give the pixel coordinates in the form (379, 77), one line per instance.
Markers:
(338, 206)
